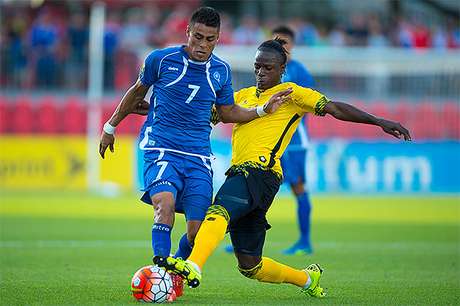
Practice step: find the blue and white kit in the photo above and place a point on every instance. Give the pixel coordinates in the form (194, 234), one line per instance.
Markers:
(176, 134)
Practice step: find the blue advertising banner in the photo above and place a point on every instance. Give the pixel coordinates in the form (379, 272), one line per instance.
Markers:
(368, 167)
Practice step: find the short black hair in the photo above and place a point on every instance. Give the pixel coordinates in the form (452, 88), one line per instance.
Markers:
(207, 16)
(285, 30)
(275, 45)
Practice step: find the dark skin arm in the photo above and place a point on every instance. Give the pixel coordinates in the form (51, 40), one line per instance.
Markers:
(132, 102)
(347, 112)
(237, 114)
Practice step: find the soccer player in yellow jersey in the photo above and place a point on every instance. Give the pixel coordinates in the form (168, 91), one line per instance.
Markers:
(255, 175)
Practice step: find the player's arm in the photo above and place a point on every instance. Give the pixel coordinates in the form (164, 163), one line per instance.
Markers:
(236, 114)
(347, 112)
(131, 101)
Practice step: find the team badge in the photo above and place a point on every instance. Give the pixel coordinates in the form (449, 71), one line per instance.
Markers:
(216, 75)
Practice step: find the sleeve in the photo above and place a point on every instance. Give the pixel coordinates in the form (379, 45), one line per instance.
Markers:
(149, 71)
(215, 119)
(225, 95)
(309, 100)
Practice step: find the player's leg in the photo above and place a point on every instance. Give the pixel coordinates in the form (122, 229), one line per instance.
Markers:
(232, 201)
(161, 186)
(196, 199)
(294, 167)
(248, 237)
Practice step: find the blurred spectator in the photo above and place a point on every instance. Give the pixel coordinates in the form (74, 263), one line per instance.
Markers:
(357, 31)
(404, 34)
(176, 24)
(43, 40)
(111, 41)
(15, 60)
(155, 35)
(439, 38)
(226, 30)
(421, 36)
(76, 62)
(49, 47)
(307, 33)
(248, 32)
(134, 32)
(376, 37)
(337, 36)
(453, 30)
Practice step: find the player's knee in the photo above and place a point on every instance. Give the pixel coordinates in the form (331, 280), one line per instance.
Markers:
(298, 188)
(217, 210)
(250, 272)
(164, 205)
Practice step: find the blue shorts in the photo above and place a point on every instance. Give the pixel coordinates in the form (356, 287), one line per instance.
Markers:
(294, 165)
(189, 178)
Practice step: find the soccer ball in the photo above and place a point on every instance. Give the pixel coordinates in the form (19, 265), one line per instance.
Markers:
(152, 284)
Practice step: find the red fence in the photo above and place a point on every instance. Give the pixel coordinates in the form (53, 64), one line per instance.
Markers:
(51, 115)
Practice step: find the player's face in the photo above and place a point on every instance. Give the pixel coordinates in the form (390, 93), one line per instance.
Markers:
(268, 69)
(289, 42)
(201, 41)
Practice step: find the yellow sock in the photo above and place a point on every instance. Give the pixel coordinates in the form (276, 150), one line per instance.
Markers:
(211, 233)
(270, 271)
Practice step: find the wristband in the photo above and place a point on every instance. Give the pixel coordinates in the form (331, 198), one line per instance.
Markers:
(108, 128)
(260, 111)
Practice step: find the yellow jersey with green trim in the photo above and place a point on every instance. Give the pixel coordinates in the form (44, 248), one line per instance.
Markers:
(263, 140)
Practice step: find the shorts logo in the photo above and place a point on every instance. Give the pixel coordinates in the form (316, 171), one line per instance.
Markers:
(216, 75)
(262, 159)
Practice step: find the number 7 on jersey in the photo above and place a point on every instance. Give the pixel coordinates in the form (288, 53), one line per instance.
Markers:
(194, 89)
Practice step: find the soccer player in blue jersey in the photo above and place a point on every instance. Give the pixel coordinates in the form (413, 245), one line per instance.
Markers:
(294, 158)
(187, 81)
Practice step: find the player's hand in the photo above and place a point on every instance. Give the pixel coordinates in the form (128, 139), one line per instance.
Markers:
(142, 108)
(277, 100)
(107, 140)
(395, 129)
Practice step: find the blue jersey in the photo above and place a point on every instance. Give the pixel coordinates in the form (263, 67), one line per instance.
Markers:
(183, 94)
(297, 73)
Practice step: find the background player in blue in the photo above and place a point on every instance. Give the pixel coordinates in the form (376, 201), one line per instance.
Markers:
(293, 160)
(187, 81)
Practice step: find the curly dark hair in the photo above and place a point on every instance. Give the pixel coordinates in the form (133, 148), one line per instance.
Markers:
(276, 45)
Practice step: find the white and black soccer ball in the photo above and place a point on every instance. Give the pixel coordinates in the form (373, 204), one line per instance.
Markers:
(152, 284)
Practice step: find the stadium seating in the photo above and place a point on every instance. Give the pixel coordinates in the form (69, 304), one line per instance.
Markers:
(68, 115)
(47, 116)
(22, 116)
(74, 116)
(4, 116)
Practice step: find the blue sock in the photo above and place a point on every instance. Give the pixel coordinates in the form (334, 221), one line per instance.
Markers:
(161, 239)
(303, 215)
(184, 249)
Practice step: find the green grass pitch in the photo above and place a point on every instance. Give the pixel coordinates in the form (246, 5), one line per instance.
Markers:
(71, 248)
